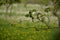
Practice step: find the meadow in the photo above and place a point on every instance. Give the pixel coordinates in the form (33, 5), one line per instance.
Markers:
(18, 27)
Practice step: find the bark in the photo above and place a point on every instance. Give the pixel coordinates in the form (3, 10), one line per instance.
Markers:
(59, 22)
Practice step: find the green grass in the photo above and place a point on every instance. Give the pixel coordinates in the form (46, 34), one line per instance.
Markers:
(26, 31)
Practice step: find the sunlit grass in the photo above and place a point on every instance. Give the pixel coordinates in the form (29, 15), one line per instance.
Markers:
(26, 31)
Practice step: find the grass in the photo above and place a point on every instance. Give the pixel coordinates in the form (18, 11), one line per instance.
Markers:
(26, 31)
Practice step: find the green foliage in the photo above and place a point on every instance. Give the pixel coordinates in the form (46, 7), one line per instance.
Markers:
(58, 4)
(46, 2)
(34, 10)
(1, 2)
(17, 1)
(27, 15)
(47, 10)
(12, 1)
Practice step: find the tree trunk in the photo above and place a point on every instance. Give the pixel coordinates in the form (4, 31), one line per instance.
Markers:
(55, 13)
(7, 8)
(59, 22)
